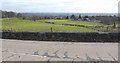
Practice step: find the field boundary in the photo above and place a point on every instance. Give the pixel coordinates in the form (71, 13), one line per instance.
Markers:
(63, 36)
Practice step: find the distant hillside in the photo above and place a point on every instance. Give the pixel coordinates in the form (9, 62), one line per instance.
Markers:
(69, 14)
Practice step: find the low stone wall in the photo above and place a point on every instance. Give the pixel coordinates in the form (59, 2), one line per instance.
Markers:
(63, 36)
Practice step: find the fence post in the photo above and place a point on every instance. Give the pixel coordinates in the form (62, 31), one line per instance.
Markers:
(51, 29)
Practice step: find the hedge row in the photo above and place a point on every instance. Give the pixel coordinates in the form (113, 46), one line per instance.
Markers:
(63, 36)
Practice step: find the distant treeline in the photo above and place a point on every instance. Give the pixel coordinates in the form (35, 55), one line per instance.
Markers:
(103, 19)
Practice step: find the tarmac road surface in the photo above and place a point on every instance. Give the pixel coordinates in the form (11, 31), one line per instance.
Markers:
(22, 50)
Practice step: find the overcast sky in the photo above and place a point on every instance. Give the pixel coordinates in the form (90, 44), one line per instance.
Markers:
(67, 6)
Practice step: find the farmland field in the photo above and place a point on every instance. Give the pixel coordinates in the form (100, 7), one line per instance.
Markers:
(15, 24)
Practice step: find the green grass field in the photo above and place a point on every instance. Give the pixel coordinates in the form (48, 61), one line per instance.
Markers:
(15, 24)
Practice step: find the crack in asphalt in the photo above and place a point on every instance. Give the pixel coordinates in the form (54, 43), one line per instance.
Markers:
(8, 57)
(111, 56)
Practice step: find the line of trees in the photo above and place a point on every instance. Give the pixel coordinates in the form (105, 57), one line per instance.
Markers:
(102, 19)
(11, 14)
